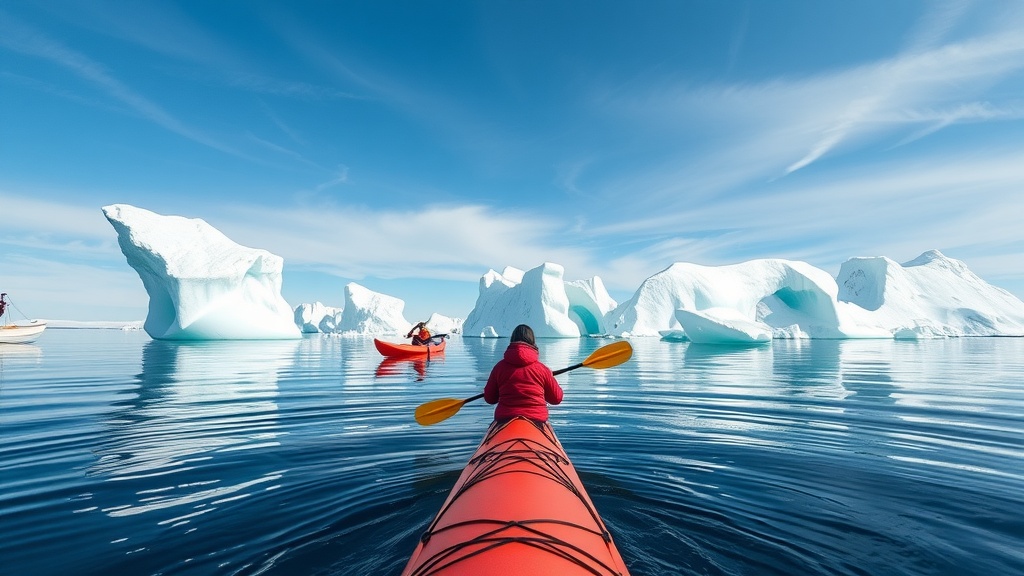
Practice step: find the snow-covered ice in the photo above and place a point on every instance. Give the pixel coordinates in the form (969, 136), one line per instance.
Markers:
(201, 285)
(369, 312)
(930, 296)
(366, 312)
(756, 301)
(722, 326)
(317, 317)
(540, 298)
(778, 293)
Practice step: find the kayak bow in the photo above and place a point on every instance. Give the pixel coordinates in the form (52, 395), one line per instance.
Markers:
(519, 507)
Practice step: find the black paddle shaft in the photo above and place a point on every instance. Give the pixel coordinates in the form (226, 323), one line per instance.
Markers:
(564, 370)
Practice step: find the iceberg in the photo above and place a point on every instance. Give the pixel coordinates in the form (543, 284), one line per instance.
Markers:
(541, 298)
(931, 296)
(316, 317)
(793, 298)
(441, 324)
(722, 326)
(369, 312)
(589, 303)
(202, 285)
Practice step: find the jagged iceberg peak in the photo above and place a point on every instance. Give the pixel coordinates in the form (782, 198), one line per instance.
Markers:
(317, 317)
(201, 285)
(373, 313)
(930, 296)
(367, 313)
(540, 298)
(441, 324)
(791, 298)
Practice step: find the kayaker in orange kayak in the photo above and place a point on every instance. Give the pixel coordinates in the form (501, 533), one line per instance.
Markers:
(520, 384)
(419, 334)
(519, 506)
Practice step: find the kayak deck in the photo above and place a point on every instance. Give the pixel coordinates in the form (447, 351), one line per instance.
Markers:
(519, 507)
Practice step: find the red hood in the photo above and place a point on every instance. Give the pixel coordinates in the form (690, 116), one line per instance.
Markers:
(521, 354)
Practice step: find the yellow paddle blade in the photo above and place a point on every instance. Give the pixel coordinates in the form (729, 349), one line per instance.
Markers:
(438, 410)
(610, 355)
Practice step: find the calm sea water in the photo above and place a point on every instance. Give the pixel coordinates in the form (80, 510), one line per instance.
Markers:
(123, 455)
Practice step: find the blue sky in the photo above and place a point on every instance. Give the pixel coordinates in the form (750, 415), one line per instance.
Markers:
(412, 146)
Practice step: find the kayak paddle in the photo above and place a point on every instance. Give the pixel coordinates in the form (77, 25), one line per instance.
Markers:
(604, 357)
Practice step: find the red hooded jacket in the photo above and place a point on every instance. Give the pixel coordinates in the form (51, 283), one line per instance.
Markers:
(521, 385)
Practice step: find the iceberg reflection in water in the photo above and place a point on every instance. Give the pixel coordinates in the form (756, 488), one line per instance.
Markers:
(194, 402)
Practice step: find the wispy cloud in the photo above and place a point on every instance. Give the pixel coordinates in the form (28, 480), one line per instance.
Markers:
(882, 93)
(281, 150)
(29, 215)
(894, 208)
(935, 120)
(738, 38)
(290, 88)
(434, 242)
(936, 24)
(54, 288)
(730, 135)
(340, 177)
(23, 39)
(167, 30)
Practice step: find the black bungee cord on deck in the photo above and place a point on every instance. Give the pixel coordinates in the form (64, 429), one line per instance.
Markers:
(493, 462)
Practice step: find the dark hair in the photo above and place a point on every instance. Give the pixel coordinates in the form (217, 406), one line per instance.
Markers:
(523, 333)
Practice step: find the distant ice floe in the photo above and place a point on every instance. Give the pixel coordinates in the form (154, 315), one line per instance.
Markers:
(722, 325)
(201, 285)
(366, 312)
(317, 317)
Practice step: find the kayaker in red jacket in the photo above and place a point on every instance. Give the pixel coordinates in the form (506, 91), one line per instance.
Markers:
(520, 384)
(421, 336)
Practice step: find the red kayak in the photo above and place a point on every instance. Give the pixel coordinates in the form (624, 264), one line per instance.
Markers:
(518, 508)
(396, 350)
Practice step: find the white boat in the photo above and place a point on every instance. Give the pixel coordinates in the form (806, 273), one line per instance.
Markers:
(21, 333)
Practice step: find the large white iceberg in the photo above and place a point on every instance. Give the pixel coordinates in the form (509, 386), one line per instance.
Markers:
(201, 285)
(794, 298)
(929, 296)
(540, 298)
(369, 312)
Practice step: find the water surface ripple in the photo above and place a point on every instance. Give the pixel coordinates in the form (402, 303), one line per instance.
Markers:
(125, 455)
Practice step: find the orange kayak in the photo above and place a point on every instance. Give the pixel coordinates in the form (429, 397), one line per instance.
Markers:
(396, 350)
(518, 508)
